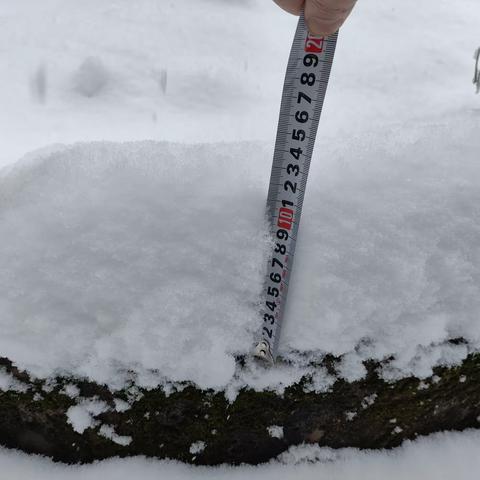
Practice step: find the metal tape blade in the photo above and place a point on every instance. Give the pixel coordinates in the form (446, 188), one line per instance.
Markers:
(304, 90)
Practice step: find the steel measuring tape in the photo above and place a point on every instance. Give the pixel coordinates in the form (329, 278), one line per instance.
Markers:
(304, 92)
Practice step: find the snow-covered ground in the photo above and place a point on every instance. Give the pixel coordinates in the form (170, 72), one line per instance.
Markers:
(182, 70)
(440, 457)
(148, 256)
(224, 62)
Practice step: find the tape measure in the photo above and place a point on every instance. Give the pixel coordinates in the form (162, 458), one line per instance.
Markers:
(304, 91)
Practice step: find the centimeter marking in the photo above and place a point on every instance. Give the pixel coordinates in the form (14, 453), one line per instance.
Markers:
(304, 92)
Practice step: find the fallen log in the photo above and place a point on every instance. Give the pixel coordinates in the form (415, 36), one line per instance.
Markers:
(202, 427)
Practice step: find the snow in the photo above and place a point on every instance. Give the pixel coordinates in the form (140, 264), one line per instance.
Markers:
(82, 415)
(156, 71)
(108, 431)
(224, 73)
(142, 261)
(135, 259)
(275, 431)
(9, 383)
(350, 415)
(138, 261)
(91, 78)
(121, 405)
(71, 390)
(369, 401)
(197, 447)
(441, 456)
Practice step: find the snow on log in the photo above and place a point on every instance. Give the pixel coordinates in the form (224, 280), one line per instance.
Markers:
(131, 278)
(203, 427)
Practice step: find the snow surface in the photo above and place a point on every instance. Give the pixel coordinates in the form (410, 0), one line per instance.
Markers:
(9, 383)
(147, 257)
(440, 457)
(82, 415)
(108, 431)
(275, 431)
(197, 447)
(71, 390)
(224, 60)
(143, 255)
(150, 256)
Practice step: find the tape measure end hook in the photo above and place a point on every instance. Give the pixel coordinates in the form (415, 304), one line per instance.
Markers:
(264, 352)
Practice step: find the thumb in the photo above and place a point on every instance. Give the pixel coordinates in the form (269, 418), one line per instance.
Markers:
(292, 6)
(325, 17)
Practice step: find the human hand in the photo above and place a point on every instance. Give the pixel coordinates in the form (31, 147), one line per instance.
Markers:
(323, 17)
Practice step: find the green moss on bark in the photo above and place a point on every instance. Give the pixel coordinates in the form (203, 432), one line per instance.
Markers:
(367, 414)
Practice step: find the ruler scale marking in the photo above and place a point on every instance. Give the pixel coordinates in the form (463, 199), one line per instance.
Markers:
(304, 90)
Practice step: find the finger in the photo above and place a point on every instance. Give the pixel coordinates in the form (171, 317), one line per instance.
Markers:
(292, 6)
(325, 17)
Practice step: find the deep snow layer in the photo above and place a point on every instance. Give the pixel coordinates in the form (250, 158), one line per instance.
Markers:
(145, 258)
(148, 258)
(441, 456)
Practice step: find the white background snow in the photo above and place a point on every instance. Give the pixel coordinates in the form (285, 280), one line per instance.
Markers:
(441, 457)
(149, 255)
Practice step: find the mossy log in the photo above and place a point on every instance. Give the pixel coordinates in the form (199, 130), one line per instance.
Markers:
(367, 414)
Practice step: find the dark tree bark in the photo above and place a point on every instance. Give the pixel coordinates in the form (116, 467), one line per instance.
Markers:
(367, 414)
